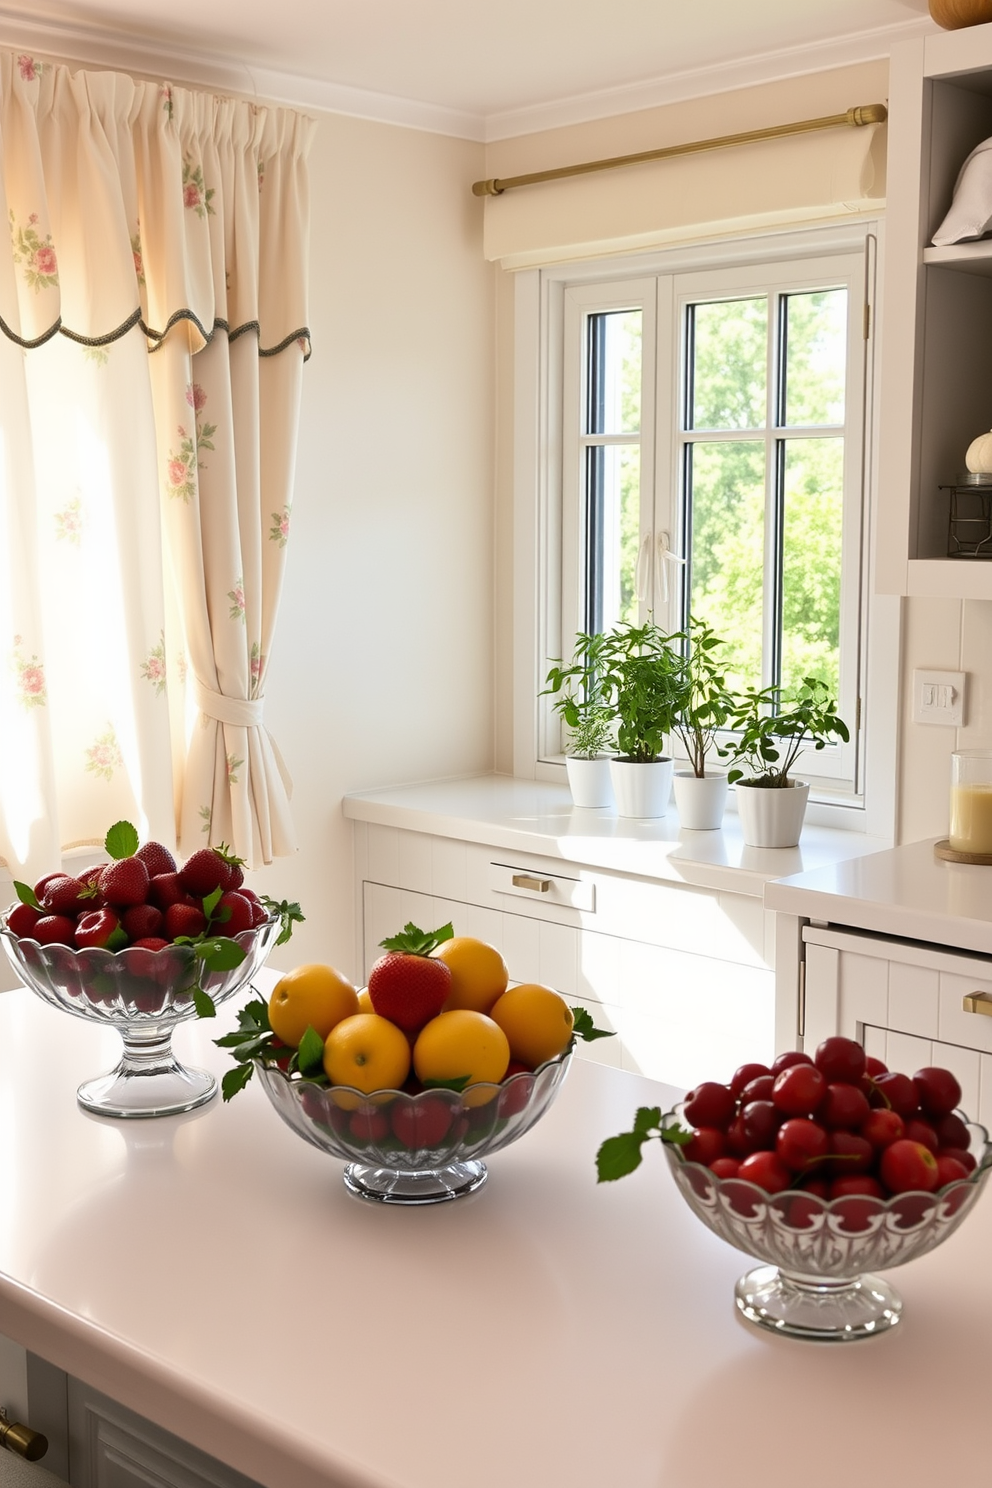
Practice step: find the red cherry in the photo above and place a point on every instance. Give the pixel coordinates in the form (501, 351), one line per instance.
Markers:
(818, 1185)
(966, 1159)
(803, 1210)
(850, 1153)
(938, 1090)
(767, 1171)
(799, 1089)
(710, 1104)
(759, 1088)
(745, 1075)
(918, 1130)
(788, 1059)
(840, 1061)
(907, 1167)
(760, 1121)
(725, 1167)
(843, 1105)
(898, 1093)
(874, 1067)
(883, 1127)
(856, 1183)
(800, 1143)
(706, 1145)
(951, 1131)
(949, 1169)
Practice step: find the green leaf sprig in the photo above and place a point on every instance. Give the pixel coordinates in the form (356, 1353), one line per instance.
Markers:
(620, 1155)
(254, 1040)
(584, 1028)
(290, 914)
(417, 942)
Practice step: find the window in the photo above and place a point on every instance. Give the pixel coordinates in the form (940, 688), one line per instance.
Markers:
(712, 463)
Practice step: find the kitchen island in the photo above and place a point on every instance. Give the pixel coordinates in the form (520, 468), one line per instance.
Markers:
(211, 1273)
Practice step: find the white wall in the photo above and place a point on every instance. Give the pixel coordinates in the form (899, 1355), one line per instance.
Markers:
(382, 667)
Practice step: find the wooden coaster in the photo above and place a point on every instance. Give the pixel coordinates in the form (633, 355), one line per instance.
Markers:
(943, 849)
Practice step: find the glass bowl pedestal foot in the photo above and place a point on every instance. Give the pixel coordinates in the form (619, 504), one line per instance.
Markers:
(429, 1186)
(824, 1309)
(148, 1081)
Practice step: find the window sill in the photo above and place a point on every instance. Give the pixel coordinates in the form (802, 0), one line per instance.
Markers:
(537, 816)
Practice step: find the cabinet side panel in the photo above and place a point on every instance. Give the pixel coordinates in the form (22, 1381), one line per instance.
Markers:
(822, 995)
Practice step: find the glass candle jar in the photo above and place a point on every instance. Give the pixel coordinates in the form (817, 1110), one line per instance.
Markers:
(971, 801)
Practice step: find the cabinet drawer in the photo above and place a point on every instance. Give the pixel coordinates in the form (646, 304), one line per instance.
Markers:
(542, 888)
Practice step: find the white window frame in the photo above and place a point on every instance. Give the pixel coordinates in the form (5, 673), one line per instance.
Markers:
(541, 466)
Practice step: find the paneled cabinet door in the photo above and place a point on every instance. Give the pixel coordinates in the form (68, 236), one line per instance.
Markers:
(110, 1447)
(905, 1003)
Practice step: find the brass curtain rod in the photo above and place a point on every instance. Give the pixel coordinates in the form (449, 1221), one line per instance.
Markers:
(869, 113)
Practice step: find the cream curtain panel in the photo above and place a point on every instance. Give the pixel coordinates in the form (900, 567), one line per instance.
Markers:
(154, 328)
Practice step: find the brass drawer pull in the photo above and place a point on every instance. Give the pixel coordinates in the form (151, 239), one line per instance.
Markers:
(21, 1439)
(527, 881)
(978, 1002)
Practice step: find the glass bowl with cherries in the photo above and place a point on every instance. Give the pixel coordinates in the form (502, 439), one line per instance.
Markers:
(825, 1168)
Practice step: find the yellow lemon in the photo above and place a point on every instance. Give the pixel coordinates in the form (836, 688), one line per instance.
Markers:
(368, 1053)
(462, 1045)
(478, 973)
(312, 996)
(537, 1022)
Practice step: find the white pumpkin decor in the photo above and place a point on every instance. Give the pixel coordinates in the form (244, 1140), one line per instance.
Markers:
(979, 456)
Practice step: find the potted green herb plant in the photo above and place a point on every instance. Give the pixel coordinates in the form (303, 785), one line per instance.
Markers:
(588, 722)
(705, 706)
(775, 727)
(641, 673)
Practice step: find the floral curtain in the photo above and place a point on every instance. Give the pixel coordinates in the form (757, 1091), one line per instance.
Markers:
(153, 330)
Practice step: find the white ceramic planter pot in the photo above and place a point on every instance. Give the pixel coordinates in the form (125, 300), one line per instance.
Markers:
(700, 800)
(770, 817)
(642, 790)
(589, 781)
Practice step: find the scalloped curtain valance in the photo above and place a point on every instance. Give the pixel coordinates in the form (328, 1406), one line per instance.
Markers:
(140, 203)
(153, 330)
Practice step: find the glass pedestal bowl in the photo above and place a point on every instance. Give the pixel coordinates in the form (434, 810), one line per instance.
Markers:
(414, 1149)
(817, 1282)
(143, 994)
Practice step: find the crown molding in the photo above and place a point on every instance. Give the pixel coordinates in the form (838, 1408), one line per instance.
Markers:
(106, 47)
(700, 82)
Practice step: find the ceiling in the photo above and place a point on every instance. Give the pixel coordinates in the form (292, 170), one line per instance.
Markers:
(474, 67)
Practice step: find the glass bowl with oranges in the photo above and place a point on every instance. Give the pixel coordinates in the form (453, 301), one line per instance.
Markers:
(419, 1077)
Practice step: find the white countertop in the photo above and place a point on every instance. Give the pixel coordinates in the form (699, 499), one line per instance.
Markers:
(904, 891)
(211, 1272)
(537, 817)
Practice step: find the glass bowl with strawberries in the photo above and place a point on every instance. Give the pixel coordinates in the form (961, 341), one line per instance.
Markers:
(823, 1168)
(419, 1077)
(141, 945)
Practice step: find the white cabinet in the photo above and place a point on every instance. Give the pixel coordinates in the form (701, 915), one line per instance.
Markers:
(937, 316)
(683, 974)
(905, 1001)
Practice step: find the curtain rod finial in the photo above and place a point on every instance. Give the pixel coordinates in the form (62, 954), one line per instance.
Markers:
(487, 188)
(868, 113)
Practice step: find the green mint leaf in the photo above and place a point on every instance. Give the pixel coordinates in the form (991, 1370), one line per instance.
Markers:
(255, 1014)
(310, 1054)
(647, 1121)
(220, 954)
(584, 1028)
(618, 1156)
(676, 1136)
(236, 1079)
(416, 942)
(203, 1003)
(121, 841)
(211, 902)
(26, 894)
(117, 939)
(458, 1084)
(289, 914)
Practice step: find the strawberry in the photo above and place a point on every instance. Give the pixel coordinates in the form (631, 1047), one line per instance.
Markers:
(63, 895)
(95, 928)
(156, 858)
(184, 919)
(166, 889)
(54, 930)
(22, 919)
(124, 882)
(90, 880)
(209, 869)
(39, 887)
(240, 918)
(404, 985)
(142, 920)
(149, 943)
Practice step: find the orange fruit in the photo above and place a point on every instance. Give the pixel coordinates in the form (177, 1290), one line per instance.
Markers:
(537, 1022)
(368, 1053)
(365, 1001)
(462, 1044)
(313, 996)
(478, 973)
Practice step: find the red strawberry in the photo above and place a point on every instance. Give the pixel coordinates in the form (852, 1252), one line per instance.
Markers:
(184, 919)
(205, 871)
(241, 916)
(142, 920)
(90, 880)
(404, 985)
(22, 919)
(54, 930)
(156, 858)
(150, 943)
(166, 889)
(63, 896)
(39, 887)
(124, 882)
(95, 928)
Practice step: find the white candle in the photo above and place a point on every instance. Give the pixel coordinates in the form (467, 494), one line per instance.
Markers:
(971, 818)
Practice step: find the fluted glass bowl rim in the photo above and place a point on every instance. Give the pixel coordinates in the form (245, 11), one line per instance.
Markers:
(839, 1207)
(543, 1093)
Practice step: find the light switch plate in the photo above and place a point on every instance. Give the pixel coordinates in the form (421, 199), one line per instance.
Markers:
(938, 697)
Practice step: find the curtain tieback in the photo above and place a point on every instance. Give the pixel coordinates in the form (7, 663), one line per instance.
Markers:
(239, 712)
